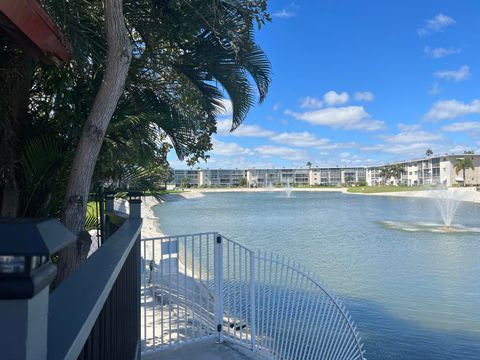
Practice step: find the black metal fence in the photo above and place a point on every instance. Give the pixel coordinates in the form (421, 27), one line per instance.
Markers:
(95, 313)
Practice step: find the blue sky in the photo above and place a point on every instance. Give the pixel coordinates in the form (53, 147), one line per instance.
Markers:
(361, 83)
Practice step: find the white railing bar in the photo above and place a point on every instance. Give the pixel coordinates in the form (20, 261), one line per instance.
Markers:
(299, 324)
(236, 243)
(178, 290)
(241, 291)
(154, 296)
(185, 286)
(193, 285)
(334, 316)
(277, 303)
(252, 301)
(270, 296)
(320, 301)
(229, 296)
(291, 293)
(339, 344)
(283, 315)
(201, 280)
(207, 282)
(169, 291)
(307, 324)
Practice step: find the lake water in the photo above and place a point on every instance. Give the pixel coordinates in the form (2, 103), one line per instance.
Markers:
(412, 294)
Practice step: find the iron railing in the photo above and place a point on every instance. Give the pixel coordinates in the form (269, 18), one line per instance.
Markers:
(201, 286)
(95, 313)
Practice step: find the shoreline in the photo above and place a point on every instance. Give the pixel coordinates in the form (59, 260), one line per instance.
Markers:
(466, 195)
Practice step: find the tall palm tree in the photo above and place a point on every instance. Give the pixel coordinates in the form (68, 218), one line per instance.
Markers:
(186, 57)
(462, 164)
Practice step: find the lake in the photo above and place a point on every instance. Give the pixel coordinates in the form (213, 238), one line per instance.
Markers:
(412, 294)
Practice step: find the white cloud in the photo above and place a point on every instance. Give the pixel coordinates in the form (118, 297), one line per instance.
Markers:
(244, 130)
(438, 23)
(412, 136)
(284, 13)
(455, 75)
(363, 96)
(229, 149)
(437, 53)
(311, 103)
(409, 127)
(282, 152)
(462, 126)
(347, 118)
(407, 150)
(332, 98)
(300, 139)
(435, 90)
(451, 109)
(276, 106)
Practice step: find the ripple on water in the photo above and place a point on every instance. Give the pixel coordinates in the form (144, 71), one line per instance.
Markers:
(429, 227)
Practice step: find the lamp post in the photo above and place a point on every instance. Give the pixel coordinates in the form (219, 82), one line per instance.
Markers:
(26, 273)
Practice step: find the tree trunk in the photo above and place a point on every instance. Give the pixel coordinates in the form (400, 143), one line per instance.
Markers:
(119, 54)
(16, 82)
(464, 179)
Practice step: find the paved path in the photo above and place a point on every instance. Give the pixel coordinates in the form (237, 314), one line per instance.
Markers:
(204, 350)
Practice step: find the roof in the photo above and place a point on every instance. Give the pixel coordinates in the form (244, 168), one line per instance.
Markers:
(31, 29)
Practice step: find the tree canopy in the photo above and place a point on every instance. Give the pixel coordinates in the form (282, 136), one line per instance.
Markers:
(189, 57)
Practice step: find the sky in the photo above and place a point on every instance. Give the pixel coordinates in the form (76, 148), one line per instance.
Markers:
(358, 83)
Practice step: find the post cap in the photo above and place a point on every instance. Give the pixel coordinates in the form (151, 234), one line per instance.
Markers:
(135, 196)
(33, 236)
(25, 250)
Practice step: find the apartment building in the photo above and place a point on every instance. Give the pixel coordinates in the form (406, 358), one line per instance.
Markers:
(434, 170)
(220, 177)
(190, 178)
(269, 177)
(273, 177)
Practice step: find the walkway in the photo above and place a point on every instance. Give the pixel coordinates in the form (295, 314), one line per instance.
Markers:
(204, 350)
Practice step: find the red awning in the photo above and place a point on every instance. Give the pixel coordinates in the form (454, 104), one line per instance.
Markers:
(31, 29)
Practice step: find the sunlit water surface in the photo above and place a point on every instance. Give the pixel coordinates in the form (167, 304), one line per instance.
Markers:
(413, 289)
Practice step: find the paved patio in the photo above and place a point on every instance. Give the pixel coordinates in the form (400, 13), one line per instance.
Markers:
(205, 350)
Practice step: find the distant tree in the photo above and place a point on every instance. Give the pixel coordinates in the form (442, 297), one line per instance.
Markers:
(463, 164)
(243, 182)
(470, 152)
(429, 152)
(185, 183)
(396, 171)
(309, 164)
(385, 173)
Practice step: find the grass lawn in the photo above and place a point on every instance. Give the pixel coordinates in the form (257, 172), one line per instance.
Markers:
(383, 189)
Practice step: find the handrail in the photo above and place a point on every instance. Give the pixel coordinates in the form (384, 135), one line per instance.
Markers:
(328, 293)
(261, 306)
(80, 298)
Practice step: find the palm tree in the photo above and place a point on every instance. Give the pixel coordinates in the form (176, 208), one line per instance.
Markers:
(462, 164)
(309, 164)
(186, 58)
(429, 152)
(385, 173)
